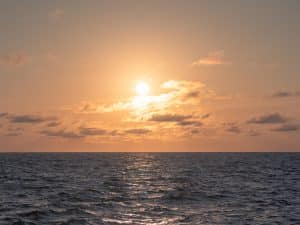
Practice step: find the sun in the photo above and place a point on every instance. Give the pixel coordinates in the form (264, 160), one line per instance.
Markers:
(142, 88)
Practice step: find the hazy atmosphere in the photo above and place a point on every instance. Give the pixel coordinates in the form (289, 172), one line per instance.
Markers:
(149, 75)
(149, 112)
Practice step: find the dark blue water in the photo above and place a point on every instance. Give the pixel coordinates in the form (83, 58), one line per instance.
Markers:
(147, 188)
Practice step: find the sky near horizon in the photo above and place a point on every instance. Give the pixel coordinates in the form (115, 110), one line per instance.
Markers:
(222, 75)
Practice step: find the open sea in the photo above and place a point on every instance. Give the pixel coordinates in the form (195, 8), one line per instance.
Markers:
(149, 188)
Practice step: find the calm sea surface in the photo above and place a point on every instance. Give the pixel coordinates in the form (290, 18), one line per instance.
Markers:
(149, 188)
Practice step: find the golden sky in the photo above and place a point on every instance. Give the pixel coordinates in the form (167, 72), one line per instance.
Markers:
(149, 76)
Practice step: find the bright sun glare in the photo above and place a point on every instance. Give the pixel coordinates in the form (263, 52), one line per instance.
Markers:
(142, 88)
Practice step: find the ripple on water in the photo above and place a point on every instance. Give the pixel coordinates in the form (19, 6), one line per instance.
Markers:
(149, 189)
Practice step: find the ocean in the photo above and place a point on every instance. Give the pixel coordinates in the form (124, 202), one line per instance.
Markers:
(149, 188)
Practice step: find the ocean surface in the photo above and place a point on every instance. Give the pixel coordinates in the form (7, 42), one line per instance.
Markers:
(149, 188)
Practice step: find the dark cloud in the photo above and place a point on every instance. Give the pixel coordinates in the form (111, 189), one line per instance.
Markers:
(287, 128)
(3, 114)
(169, 117)
(268, 119)
(61, 133)
(137, 131)
(189, 123)
(88, 131)
(53, 124)
(205, 116)
(195, 131)
(283, 94)
(180, 120)
(114, 133)
(33, 119)
(85, 131)
(192, 94)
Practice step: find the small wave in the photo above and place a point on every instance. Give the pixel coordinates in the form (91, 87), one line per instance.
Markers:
(33, 214)
(113, 221)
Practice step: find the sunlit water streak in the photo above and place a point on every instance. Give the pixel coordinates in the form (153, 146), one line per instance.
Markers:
(147, 188)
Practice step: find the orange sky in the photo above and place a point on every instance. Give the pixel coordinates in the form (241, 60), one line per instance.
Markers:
(219, 78)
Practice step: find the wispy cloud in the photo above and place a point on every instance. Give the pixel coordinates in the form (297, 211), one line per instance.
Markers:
(90, 107)
(234, 129)
(205, 116)
(3, 114)
(178, 119)
(284, 94)
(287, 128)
(61, 133)
(14, 131)
(212, 59)
(186, 123)
(268, 119)
(169, 117)
(29, 119)
(53, 124)
(173, 94)
(87, 131)
(137, 131)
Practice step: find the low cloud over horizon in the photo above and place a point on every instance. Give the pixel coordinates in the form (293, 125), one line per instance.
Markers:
(178, 111)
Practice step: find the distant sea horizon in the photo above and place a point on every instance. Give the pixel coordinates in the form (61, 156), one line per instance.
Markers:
(290, 151)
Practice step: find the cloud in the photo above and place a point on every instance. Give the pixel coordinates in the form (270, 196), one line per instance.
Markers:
(3, 114)
(14, 59)
(89, 107)
(14, 131)
(284, 94)
(205, 116)
(101, 132)
(174, 95)
(190, 123)
(85, 131)
(212, 59)
(192, 94)
(137, 131)
(169, 117)
(53, 124)
(234, 129)
(61, 133)
(268, 119)
(56, 14)
(178, 119)
(287, 128)
(33, 119)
